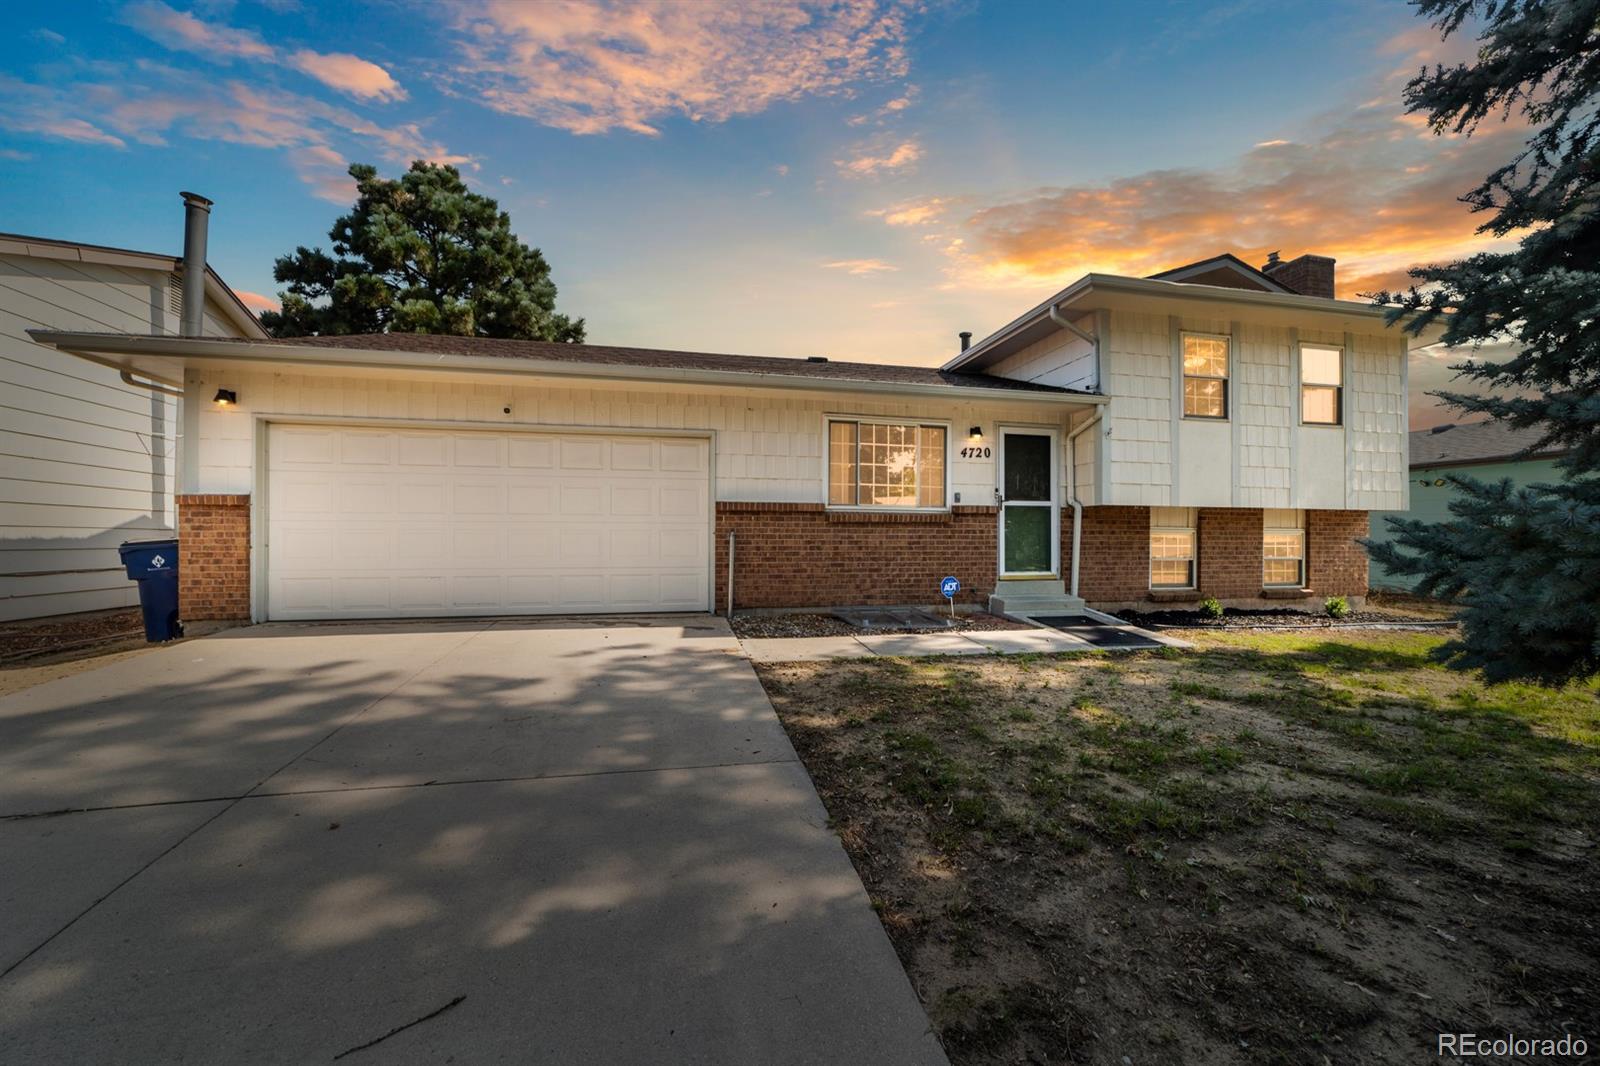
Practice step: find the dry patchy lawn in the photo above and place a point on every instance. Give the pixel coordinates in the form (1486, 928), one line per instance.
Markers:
(1276, 848)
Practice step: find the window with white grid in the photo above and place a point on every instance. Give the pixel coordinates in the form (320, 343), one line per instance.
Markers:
(1283, 548)
(1172, 547)
(885, 464)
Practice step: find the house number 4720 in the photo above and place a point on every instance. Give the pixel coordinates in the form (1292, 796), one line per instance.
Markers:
(975, 453)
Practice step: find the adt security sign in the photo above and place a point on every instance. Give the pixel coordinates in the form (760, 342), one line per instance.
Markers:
(948, 589)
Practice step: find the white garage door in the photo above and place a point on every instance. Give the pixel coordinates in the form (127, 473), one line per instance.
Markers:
(373, 523)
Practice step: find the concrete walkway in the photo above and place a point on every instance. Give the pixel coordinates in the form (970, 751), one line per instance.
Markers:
(965, 642)
(561, 841)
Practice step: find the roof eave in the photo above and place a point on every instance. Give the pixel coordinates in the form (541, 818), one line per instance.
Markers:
(106, 350)
(1113, 284)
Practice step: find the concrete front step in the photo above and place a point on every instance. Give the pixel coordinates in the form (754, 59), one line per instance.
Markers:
(1033, 596)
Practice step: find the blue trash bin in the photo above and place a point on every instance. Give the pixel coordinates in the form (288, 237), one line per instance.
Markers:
(154, 565)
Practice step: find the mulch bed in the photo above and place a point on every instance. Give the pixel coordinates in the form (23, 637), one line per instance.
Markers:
(756, 626)
(1279, 618)
(32, 638)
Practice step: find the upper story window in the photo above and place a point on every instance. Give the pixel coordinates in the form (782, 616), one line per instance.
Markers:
(1283, 548)
(1321, 385)
(1172, 547)
(1205, 376)
(885, 464)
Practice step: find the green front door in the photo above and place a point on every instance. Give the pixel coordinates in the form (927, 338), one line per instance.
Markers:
(1028, 506)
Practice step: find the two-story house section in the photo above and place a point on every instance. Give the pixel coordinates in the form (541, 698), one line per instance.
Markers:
(1214, 430)
(1251, 422)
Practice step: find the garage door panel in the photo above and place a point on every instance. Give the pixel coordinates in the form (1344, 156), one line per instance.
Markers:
(366, 449)
(422, 450)
(375, 523)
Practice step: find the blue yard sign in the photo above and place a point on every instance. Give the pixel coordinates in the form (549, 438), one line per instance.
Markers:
(948, 589)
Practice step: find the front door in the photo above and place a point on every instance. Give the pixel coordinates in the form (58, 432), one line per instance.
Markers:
(1028, 540)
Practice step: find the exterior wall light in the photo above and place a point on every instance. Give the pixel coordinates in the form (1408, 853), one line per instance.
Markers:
(975, 434)
(225, 398)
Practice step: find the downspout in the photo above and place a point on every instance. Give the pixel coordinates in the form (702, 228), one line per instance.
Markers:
(1072, 494)
(730, 575)
(1089, 338)
(129, 379)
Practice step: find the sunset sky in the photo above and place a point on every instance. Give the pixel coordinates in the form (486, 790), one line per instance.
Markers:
(854, 179)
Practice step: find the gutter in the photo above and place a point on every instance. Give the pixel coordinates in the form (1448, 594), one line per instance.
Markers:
(1092, 339)
(95, 347)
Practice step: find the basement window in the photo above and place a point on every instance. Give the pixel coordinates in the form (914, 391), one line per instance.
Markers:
(1283, 548)
(1205, 376)
(896, 465)
(1172, 543)
(1321, 385)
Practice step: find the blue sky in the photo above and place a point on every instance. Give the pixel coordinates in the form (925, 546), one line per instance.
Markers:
(859, 179)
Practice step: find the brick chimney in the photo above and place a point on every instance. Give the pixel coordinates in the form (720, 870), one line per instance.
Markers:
(1309, 275)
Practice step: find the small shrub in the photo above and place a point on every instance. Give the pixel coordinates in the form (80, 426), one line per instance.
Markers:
(1336, 606)
(1211, 607)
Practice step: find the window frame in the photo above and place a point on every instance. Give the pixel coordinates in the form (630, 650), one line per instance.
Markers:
(1338, 390)
(1279, 530)
(1226, 379)
(828, 421)
(1192, 530)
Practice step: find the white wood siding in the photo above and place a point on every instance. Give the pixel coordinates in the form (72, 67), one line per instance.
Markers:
(768, 446)
(86, 462)
(1061, 359)
(1262, 456)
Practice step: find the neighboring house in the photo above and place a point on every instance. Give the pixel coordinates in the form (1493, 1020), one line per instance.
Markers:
(86, 460)
(1486, 451)
(1211, 431)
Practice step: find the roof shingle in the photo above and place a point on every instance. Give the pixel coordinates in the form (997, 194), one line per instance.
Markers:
(1475, 442)
(655, 357)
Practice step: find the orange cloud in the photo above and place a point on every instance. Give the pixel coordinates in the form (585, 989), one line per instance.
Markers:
(870, 162)
(348, 73)
(923, 212)
(861, 266)
(590, 66)
(181, 30)
(255, 301)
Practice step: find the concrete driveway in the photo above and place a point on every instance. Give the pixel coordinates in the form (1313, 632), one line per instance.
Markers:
(476, 842)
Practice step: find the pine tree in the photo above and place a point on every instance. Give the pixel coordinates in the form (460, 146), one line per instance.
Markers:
(420, 255)
(1524, 564)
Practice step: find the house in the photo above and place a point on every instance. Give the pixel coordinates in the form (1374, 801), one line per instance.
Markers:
(1485, 451)
(1214, 430)
(86, 457)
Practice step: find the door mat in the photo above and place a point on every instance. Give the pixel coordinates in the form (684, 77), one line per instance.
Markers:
(1101, 636)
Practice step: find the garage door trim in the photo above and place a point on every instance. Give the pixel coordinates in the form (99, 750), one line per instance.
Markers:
(262, 423)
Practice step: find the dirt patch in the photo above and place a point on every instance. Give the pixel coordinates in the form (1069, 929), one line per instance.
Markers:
(32, 638)
(1277, 848)
(826, 625)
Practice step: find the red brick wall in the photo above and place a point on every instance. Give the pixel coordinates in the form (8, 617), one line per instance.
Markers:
(1230, 552)
(803, 555)
(1116, 560)
(1116, 552)
(1337, 564)
(213, 557)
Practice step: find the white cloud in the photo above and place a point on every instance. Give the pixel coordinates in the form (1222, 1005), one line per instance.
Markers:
(590, 66)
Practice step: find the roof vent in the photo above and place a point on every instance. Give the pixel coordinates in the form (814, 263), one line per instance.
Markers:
(1443, 428)
(816, 359)
(966, 339)
(1272, 261)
